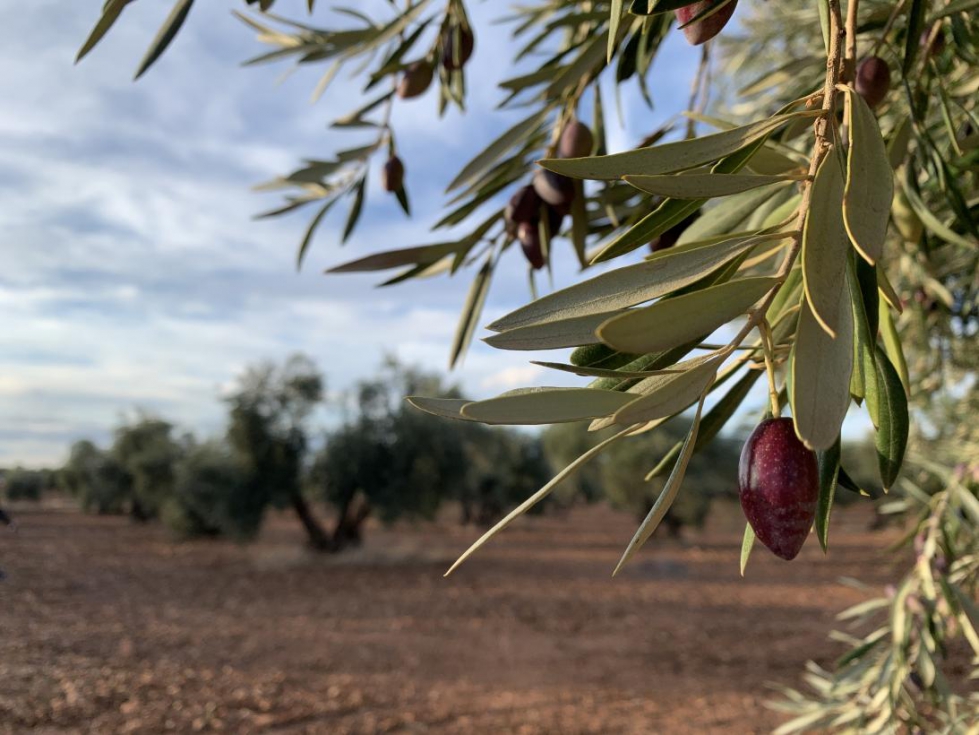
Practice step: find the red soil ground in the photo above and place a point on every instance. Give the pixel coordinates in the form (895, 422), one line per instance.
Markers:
(107, 627)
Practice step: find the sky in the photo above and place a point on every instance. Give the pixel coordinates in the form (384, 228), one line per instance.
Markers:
(134, 274)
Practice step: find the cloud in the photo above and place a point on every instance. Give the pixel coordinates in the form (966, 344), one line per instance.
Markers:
(134, 274)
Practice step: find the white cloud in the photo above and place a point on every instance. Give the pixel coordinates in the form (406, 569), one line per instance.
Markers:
(133, 272)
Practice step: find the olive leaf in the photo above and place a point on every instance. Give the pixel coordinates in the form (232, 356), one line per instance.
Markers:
(546, 406)
(665, 395)
(869, 181)
(892, 346)
(498, 148)
(863, 381)
(892, 434)
(715, 419)
(171, 26)
(747, 544)
(552, 335)
(448, 408)
(110, 14)
(819, 389)
(728, 214)
(828, 462)
(670, 157)
(669, 493)
(824, 248)
(537, 497)
(665, 272)
(471, 312)
(701, 185)
(419, 255)
(673, 321)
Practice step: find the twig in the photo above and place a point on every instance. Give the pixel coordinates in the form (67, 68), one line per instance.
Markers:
(850, 59)
(821, 146)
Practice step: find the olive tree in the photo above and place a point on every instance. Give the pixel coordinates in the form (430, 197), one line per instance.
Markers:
(813, 227)
(148, 452)
(97, 479)
(268, 409)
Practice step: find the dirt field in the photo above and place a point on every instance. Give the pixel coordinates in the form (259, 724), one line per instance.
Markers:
(106, 627)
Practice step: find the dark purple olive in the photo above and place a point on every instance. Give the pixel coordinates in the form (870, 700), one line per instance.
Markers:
(576, 141)
(529, 236)
(524, 206)
(393, 174)
(933, 46)
(703, 30)
(555, 189)
(873, 80)
(554, 219)
(670, 238)
(416, 79)
(457, 46)
(778, 482)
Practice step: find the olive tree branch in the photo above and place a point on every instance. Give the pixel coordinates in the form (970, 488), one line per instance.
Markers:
(823, 130)
(850, 58)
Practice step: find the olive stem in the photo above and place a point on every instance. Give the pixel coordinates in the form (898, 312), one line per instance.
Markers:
(769, 349)
(850, 57)
(821, 146)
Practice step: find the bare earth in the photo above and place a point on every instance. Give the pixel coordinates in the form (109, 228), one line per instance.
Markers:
(107, 627)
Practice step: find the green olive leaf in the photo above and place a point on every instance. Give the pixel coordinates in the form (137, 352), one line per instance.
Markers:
(892, 434)
(824, 248)
(666, 395)
(447, 408)
(665, 272)
(670, 157)
(669, 493)
(869, 181)
(572, 332)
(546, 406)
(819, 389)
(673, 321)
(701, 185)
(828, 462)
(537, 497)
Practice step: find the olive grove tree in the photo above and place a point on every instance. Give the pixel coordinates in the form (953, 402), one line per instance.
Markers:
(813, 229)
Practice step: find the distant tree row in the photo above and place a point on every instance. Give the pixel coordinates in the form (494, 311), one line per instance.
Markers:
(386, 460)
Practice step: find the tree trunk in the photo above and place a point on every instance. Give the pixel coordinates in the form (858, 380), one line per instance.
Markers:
(352, 515)
(138, 513)
(318, 538)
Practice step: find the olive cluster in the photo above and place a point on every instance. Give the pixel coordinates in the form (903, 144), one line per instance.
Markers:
(548, 196)
(455, 48)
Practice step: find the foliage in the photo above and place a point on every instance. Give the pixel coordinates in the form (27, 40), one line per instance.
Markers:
(396, 462)
(563, 443)
(799, 232)
(97, 479)
(206, 491)
(268, 410)
(712, 475)
(24, 484)
(835, 222)
(148, 453)
(899, 672)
